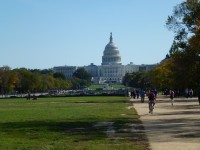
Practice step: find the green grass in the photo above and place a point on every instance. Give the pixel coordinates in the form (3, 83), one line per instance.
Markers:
(70, 123)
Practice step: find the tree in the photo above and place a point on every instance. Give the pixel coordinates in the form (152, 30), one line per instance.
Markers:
(8, 80)
(127, 79)
(81, 73)
(59, 75)
(81, 78)
(140, 79)
(174, 49)
(162, 75)
(185, 21)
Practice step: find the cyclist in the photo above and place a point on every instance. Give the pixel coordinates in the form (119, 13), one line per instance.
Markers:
(151, 97)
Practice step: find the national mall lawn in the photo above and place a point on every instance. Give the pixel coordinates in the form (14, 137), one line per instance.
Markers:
(70, 123)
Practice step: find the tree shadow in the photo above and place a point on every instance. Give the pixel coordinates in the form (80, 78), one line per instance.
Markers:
(81, 130)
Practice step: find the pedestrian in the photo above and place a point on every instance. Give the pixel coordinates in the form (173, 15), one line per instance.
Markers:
(137, 93)
(186, 93)
(142, 95)
(156, 93)
(171, 93)
(177, 93)
(133, 94)
(190, 93)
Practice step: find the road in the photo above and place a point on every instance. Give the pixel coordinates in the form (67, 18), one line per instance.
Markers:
(171, 127)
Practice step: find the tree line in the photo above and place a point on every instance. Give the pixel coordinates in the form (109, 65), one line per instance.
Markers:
(34, 80)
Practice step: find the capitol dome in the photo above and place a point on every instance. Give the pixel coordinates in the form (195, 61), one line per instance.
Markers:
(111, 53)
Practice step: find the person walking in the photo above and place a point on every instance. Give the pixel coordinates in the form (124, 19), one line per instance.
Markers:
(133, 94)
(142, 95)
(137, 93)
(186, 92)
(171, 94)
(190, 93)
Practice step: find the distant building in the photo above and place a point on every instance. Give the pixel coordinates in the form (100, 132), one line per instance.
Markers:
(131, 68)
(5, 68)
(146, 67)
(66, 70)
(110, 71)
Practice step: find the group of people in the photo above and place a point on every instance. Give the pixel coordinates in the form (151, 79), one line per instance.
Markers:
(188, 93)
(135, 93)
(141, 93)
(29, 96)
(153, 94)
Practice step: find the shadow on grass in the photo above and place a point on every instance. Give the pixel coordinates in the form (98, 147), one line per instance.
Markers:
(121, 129)
(69, 126)
(81, 130)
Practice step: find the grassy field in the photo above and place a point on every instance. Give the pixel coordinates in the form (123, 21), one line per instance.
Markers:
(71, 123)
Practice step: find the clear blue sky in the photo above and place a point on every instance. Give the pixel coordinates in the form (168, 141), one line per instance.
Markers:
(46, 33)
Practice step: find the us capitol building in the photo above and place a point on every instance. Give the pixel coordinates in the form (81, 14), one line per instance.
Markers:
(111, 69)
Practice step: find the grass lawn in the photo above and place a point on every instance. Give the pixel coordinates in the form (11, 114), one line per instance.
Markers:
(71, 123)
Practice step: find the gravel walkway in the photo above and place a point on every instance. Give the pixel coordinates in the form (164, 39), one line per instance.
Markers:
(171, 127)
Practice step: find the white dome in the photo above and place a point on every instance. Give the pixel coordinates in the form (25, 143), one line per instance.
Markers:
(111, 53)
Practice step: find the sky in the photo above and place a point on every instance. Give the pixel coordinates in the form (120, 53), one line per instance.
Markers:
(42, 34)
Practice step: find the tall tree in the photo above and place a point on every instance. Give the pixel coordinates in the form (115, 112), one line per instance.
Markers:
(8, 80)
(140, 79)
(81, 73)
(59, 75)
(185, 21)
(81, 78)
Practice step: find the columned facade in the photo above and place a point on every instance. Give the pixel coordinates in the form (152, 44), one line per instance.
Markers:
(111, 74)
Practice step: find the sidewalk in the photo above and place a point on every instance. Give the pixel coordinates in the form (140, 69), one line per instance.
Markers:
(171, 127)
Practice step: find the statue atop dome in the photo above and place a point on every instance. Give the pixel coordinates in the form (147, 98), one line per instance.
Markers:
(111, 38)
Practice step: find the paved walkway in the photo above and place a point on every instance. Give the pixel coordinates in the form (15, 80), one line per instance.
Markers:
(171, 127)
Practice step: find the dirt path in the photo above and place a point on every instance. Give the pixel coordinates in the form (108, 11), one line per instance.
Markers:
(171, 127)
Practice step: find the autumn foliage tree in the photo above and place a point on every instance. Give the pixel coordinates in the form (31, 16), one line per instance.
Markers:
(24, 80)
(81, 78)
(140, 79)
(181, 69)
